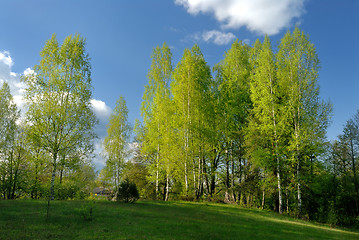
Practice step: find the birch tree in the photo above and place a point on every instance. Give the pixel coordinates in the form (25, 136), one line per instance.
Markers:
(9, 132)
(8, 117)
(58, 98)
(117, 140)
(268, 123)
(190, 87)
(156, 111)
(298, 66)
(235, 103)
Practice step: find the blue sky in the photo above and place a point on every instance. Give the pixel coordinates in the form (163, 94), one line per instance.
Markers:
(121, 34)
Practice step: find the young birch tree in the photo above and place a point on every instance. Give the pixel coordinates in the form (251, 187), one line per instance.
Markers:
(116, 141)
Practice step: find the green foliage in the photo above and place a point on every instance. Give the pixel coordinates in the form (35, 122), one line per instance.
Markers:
(342, 164)
(137, 173)
(12, 149)
(127, 192)
(8, 116)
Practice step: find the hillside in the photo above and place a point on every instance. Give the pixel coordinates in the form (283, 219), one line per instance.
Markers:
(26, 219)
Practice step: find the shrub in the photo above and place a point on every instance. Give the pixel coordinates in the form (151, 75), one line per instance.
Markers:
(127, 192)
(86, 210)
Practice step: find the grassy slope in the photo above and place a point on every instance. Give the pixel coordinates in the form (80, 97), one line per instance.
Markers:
(154, 220)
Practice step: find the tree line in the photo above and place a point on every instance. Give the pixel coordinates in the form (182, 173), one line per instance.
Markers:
(257, 120)
(251, 130)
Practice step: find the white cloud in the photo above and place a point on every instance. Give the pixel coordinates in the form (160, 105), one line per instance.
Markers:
(219, 38)
(19, 101)
(99, 161)
(102, 112)
(6, 59)
(100, 107)
(261, 16)
(173, 29)
(13, 79)
(246, 41)
(28, 71)
(212, 36)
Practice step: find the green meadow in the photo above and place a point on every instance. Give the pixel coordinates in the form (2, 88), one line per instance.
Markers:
(26, 219)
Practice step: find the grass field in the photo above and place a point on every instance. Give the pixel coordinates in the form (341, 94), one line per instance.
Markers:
(26, 219)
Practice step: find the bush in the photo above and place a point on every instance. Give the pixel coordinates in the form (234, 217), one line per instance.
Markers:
(127, 192)
(86, 210)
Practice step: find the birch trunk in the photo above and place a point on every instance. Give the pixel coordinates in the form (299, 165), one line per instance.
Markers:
(280, 210)
(299, 196)
(157, 166)
(232, 175)
(52, 189)
(167, 185)
(263, 198)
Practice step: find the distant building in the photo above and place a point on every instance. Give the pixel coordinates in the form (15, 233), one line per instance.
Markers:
(99, 191)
